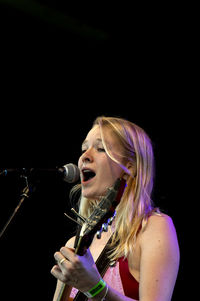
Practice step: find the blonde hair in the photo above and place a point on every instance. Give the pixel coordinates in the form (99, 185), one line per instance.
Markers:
(136, 205)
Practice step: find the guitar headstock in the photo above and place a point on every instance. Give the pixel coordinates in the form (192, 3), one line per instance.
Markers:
(100, 215)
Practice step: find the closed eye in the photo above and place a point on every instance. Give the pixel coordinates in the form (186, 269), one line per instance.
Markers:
(100, 149)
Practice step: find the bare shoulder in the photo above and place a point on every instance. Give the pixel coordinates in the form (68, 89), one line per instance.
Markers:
(159, 224)
(70, 242)
(160, 221)
(160, 230)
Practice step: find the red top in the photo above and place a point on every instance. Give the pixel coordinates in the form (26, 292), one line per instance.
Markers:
(130, 284)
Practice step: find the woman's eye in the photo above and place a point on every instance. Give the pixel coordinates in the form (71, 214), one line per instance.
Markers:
(101, 149)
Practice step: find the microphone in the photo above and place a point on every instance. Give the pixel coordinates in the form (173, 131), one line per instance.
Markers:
(69, 172)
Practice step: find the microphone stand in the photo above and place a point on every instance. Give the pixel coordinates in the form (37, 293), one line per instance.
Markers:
(24, 195)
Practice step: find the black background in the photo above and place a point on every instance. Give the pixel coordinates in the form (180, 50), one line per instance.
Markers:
(62, 66)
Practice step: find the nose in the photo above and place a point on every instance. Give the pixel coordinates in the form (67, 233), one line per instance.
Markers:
(87, 156)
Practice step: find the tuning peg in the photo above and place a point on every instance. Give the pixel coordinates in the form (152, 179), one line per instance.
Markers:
(99, 233)
(105, 227)
(110, 220)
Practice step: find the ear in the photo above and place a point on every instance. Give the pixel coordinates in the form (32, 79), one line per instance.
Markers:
(131, 169)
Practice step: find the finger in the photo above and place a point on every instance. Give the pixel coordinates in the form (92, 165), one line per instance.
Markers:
(59, 257)
(68, 253)
(57, 273)
(65, 266)
(62, 261)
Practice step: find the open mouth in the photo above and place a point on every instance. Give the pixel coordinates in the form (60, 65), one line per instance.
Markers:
(88, 174)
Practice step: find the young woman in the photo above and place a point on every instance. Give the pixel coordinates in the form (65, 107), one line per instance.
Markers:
(144, 242)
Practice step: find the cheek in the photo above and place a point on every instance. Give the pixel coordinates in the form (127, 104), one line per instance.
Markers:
(113, 170)
(118, 171)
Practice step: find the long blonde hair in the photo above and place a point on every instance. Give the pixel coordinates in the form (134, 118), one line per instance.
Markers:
(136, 204)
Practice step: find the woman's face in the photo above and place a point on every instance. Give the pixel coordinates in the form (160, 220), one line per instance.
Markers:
(98, 171)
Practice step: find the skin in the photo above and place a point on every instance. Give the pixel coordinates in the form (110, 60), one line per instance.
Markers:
(155, 259)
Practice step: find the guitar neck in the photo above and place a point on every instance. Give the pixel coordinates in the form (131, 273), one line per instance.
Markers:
(63, 293)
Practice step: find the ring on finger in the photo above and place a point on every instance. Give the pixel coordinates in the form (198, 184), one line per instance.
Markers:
(62, 260)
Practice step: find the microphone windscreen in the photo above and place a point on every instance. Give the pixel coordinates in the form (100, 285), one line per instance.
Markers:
(72, 173)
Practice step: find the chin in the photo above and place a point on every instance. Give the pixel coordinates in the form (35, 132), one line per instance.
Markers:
(91, 195)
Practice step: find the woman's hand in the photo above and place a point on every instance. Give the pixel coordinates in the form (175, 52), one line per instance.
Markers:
(74, 270)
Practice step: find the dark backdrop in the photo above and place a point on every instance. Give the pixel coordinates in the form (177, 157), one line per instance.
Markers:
(62, 66)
